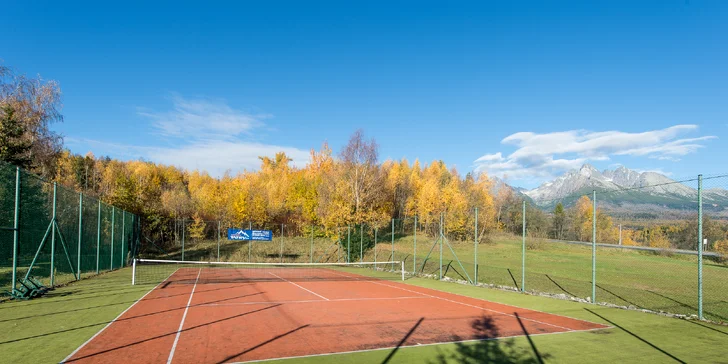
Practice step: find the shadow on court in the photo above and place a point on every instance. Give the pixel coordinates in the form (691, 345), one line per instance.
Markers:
(489, 348)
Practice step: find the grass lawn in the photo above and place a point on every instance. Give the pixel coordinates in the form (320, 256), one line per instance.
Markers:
(49, 328)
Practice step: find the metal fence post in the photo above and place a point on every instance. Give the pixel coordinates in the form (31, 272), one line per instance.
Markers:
(123, 238)
(53, 238)
(312, 229)
(16, 232)
(392, 259)
(375, 247)
(184, 223)
(80, 235)
(113, 223)
(440, 238)
(414, 256)
(281, 255)
(700, 246)
(98, 239)
(218, 240)
(523, 250)
(250, 242)
(348, 244)
(594, 247)
(361, 243)
(475, 260)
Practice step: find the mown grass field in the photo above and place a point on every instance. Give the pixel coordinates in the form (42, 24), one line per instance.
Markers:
(641, 280)
(47, 329)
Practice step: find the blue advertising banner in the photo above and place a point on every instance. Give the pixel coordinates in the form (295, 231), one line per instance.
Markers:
(246, 234)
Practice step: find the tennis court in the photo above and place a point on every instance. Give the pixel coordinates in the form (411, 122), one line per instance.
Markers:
(207, 313)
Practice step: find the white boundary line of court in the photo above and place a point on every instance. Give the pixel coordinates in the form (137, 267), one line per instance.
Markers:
(184, 316)
(466, 304)
(312, 301)
(419, 345)
(301, 287)
(116, 318)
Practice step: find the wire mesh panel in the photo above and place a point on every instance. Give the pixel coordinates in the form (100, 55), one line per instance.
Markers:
(105, 246)
(89, 236)
(656, 268)
(66, 249)
(7, 217)
(118, 245)
(36, 209)
(715, 248)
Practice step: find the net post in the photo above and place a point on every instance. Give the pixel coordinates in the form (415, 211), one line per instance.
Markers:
(523, 250)
(700, 246)
(53, 237)
(402, 262)
(133, 271)
(98, 239)
(594, 247)
(475, 259)
(16, 236)
(80, 235)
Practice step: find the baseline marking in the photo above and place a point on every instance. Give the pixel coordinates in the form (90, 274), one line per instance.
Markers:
(469, 305)
(184, 316)
(116, 318)
(303, 288)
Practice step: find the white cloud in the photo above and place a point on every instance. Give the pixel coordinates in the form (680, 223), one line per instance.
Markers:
(205, 134)
(197, 118)
(546, 155)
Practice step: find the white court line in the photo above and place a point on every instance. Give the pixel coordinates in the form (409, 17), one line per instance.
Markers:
(116, 318)
(184, 316)
(311, 301)
(305, 289)
(415, 346)
(469, 305)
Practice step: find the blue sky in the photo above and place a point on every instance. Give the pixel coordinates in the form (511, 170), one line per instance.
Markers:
(523, 90)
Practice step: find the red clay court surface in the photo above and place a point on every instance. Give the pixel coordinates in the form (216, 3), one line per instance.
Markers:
(287, 316)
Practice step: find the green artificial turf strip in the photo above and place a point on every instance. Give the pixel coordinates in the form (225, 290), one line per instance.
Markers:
(47, 329)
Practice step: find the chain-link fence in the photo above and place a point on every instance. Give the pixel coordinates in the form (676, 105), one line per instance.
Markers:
(55, 235)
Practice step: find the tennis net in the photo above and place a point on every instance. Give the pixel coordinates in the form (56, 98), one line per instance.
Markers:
(152, 271)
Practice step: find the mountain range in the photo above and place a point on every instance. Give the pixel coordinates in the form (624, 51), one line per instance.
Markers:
(623, 189)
